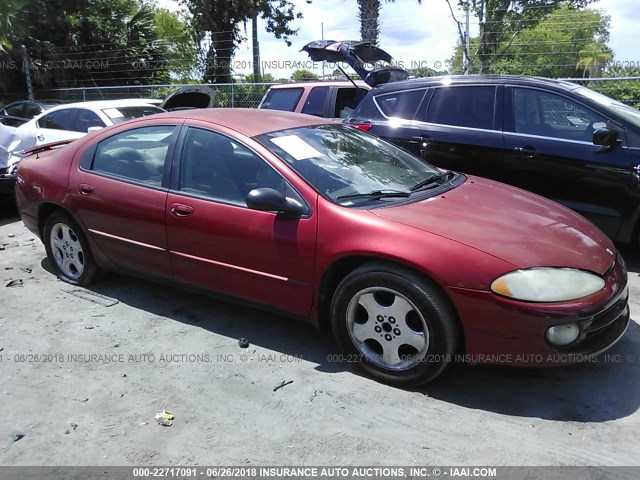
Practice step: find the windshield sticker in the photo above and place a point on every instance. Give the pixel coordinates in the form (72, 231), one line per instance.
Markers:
(296, 147)
(113, 113)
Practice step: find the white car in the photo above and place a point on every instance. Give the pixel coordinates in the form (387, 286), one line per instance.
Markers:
(64, 122)
(75, 120)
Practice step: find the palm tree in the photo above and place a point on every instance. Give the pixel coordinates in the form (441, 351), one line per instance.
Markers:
(369, 15)
(8, 11)
(591, 58)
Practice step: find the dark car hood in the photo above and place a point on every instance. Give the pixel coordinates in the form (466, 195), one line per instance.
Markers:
(186, 98)
(364, 57)
(511, 224)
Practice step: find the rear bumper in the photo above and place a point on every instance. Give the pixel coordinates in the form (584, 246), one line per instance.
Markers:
(505, 332)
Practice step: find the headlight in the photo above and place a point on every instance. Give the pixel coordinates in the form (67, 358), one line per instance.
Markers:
(547, 284)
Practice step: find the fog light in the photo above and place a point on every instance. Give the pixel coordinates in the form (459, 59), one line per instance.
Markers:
(563, 335)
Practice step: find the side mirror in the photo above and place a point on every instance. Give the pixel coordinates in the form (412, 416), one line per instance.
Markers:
(270, 200)
(94, 129)
(605, 137)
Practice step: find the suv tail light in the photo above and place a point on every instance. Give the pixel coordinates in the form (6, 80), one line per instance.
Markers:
(365, 127)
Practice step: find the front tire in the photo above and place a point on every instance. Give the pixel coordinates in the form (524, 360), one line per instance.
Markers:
(68, 250)
(400, 326)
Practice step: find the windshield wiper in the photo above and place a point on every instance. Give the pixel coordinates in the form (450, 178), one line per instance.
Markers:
(375, 195)
(432, 181)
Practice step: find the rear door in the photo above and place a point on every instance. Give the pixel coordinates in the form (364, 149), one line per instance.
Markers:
(217, 242)
(549, 140)
(460, 128)
(56, 126)
(120, 191)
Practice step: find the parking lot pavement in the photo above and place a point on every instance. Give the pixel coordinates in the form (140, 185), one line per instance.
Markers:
(84, 371)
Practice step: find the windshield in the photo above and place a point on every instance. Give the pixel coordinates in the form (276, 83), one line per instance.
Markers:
(340, 161)
(628, 113)
(121, 114)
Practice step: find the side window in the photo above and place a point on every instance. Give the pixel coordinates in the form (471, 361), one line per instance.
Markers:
(137, 155)
(403, 104)
(550, 115)
(314, 104)
(282, 99)
(86, 119)
(58, 120)
(471, 107)
(32, 109)
(347, 100)
(217, 167)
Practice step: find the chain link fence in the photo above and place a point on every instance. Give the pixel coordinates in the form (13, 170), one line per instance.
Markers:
(248, 95)
(234, 95)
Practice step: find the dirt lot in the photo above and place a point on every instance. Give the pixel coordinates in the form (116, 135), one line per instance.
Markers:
(158, 348)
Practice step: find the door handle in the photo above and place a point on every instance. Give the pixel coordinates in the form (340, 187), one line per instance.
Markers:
(527, 151)
(40, 137)
(180, 210)
(86, 189)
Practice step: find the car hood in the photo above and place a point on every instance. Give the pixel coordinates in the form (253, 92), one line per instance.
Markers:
(511, 224)
(372, 64)
(189, 97)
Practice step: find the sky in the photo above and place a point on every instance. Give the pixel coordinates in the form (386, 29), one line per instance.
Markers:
(416, 35)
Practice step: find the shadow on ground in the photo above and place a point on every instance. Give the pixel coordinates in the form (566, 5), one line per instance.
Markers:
(594, 392)
(589, 392)
(8, 213)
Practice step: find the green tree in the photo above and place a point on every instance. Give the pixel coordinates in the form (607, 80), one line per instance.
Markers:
(178, 43)
(9, 28)
(80, 42)
(303, 76)
(502, 21)
(551, 48)
(593, 57)
(222, 21)
(625, 91)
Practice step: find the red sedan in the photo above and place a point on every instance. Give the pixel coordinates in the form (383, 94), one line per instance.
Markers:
(409, 264)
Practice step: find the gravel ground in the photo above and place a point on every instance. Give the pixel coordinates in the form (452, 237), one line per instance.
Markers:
(84, 372)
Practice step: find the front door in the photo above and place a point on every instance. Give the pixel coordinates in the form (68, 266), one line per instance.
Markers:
(57, 126)
(550, 151)
(217, 242)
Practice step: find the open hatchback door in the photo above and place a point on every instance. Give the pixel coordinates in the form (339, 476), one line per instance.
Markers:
(186, 98)
(374, 65)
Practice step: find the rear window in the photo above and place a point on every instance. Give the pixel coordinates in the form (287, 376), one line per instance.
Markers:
(403, 104)
(347, 99)
(122, 114)
(282, 99)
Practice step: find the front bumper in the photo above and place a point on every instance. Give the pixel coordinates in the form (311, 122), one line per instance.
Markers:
(502, 331)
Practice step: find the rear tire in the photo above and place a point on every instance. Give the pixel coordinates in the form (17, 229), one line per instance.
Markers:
(399, 327)
(68, 250)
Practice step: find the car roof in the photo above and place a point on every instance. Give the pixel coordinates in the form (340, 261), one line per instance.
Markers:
(321, 83)
(247, 121)
(102, 104)
(475, 79)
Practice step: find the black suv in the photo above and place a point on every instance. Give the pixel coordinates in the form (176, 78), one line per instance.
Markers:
(554, 138)
(557, 139)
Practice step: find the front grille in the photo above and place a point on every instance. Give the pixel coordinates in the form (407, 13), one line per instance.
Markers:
(603, 329)
(606, 318)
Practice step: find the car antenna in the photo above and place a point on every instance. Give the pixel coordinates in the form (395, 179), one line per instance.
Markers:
(345, 74)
